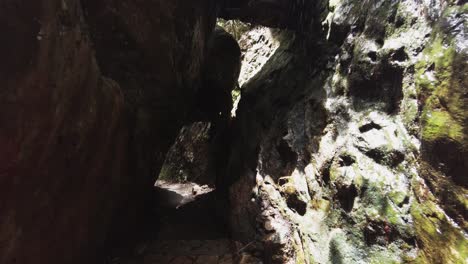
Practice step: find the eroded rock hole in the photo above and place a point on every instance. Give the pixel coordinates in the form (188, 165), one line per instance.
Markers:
(399, 55)
(287, 156)
(325, 172)
(369, 126)
(372, 55)
(346, 196)
(297, 204)
(390, 158)
(346, 160)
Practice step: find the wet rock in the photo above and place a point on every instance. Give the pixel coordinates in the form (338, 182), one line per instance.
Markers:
(349, 145)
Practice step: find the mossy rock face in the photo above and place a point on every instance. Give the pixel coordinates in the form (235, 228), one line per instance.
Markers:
(440, 240)
(364, 204)
(451, 196)
(442, 85)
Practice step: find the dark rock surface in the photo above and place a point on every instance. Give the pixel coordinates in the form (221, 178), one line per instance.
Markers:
(91, 101)
(222, 69)
(62, 136)
(156, 51)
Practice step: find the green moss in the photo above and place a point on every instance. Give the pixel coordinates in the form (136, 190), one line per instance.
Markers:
(441, 85)
(359, 180)
(440, 124)
(397, 197)
(437, 56)
(235, 94)
(439, 241)
(334, 173)
(440, 81)
(464, 8)
(389, 213)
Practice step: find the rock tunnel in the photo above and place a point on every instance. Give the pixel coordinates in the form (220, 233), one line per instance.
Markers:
(233, 131)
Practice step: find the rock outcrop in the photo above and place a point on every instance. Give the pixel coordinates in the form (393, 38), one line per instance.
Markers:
(349, 142)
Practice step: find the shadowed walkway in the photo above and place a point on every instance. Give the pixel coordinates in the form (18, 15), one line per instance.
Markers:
(188, 231)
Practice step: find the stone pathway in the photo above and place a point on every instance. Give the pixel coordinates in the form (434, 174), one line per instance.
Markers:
(188, 231)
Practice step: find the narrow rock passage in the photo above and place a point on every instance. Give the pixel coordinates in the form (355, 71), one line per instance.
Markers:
(188, 230)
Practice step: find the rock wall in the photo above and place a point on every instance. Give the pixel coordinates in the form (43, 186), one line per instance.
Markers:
(62, 136)
(156, 51)
(347, 145)
(90, 102)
